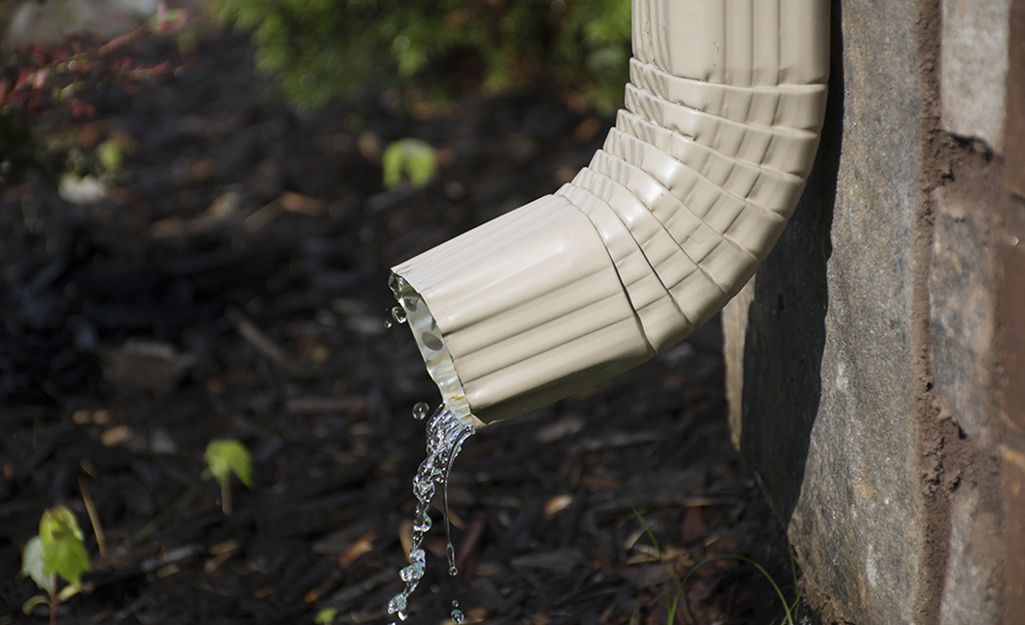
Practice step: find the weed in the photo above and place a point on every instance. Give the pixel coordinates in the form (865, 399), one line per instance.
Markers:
(224, 457)
(58, 552)
(325, 616)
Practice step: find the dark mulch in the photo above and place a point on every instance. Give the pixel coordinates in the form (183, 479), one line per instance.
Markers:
(237, 288)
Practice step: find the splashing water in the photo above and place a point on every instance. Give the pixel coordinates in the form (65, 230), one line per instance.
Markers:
(446, 433)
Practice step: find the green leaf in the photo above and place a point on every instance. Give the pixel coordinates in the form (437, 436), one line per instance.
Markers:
(410, 158)
(325, 616)
(63, 551)
(32, 564)
(227, 456)
(33, 601)
(110, 155)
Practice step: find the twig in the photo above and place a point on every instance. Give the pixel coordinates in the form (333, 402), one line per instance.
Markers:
(54, 599)
(226, 495)
(94, 517)
(265, 345)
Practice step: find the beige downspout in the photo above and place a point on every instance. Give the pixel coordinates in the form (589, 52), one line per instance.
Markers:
(671, 218)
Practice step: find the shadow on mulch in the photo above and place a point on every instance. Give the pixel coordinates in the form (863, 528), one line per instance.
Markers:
(238, 289)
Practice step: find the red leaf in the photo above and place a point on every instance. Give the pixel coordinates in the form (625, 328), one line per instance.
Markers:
(75, 43)
(163, 68)
(37, 55)
(81, 109)
(23, 78)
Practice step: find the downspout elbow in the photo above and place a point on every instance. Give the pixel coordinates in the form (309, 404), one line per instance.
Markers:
(671, 218)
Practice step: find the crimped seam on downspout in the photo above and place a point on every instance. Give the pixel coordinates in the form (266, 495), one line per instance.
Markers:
(671, 218)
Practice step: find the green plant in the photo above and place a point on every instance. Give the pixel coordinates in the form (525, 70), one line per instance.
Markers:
(409, 158)
(224, 457)
(788, 607)
(58, 552)
(319, 49)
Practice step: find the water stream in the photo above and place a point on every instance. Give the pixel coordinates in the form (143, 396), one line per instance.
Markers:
(446, 433)
(448, 427)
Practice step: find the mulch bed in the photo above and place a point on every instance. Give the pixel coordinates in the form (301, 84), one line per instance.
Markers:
(236, 287)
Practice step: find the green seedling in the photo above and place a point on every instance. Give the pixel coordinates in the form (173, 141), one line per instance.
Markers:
(325, 616)
(224, 457)
(58, 552)
(412, 159)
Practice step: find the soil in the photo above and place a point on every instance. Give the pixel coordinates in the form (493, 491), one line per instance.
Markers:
(235, 287)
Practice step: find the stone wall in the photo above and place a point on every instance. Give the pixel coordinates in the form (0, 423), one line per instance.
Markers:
(873, 361)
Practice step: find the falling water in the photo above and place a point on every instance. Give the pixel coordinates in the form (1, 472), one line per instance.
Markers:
(445, 435)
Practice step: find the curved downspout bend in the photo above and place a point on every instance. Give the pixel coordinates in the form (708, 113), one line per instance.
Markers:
(671, 218)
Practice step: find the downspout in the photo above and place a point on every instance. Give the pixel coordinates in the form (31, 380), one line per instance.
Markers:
(671, 218)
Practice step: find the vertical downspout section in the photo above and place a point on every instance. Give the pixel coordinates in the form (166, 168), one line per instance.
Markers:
(671, 218)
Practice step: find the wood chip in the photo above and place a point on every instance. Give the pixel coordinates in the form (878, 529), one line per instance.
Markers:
(302, 204)
(406, 537)
(116, 435)
(364, 544)
(557, 504)
(224, 547)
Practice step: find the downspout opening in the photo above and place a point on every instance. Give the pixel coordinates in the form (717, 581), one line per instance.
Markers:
(433, 349)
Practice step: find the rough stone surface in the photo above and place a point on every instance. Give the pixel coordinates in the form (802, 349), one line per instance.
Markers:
(1014, 125)
(962, 307)
(875, 369)
(832, 433)
(974, 68)
(973, 586)
(964, 288)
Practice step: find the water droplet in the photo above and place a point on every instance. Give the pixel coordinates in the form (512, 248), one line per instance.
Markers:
(396, 284)
(398, 314)
(423, 523)
(431, 341)
(420, 410)
(450, 555)
(397, 604)
(412, 572)
(388, 324)
(457, 616)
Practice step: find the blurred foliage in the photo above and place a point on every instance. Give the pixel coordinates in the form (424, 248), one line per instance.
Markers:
(34, 80)
(319, 49)
(412, 159)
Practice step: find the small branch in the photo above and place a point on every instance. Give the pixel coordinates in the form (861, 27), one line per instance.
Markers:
(54, 599)
(226, 496)
(94, 517)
